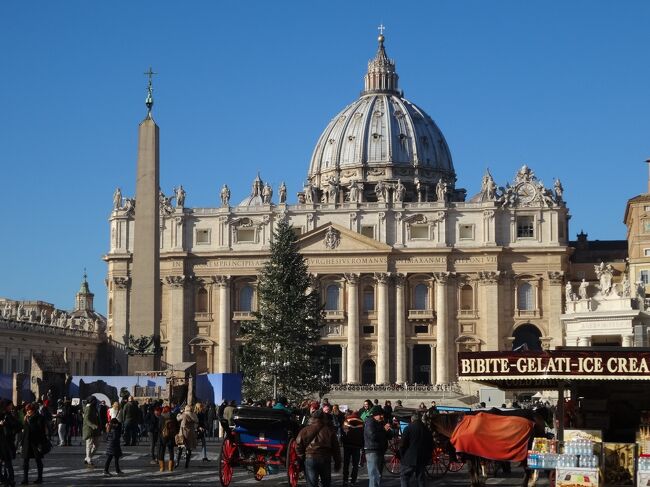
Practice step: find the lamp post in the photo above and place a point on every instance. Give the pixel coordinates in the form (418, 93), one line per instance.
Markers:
(275, 366)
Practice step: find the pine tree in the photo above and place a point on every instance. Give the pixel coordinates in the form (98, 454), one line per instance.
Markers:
(282, 341)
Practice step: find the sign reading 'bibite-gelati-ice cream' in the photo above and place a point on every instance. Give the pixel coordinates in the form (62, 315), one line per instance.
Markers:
(555, 363)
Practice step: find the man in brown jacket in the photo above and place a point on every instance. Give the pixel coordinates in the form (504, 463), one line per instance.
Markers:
(317, 445)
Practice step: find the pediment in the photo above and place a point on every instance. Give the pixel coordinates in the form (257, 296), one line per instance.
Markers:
(334, 238)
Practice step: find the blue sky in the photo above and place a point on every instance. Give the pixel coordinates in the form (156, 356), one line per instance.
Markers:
(248, 85)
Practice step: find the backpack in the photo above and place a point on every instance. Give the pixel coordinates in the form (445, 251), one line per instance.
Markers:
(169, 429)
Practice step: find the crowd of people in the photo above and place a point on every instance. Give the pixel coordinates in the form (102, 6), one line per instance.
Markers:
(327, 430)
(173, 431)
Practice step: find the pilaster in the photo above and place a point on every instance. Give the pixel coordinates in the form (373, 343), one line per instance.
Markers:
(490, 308)
(442, 331)
(353, 328)
(224, 361)
(383, 331)
(400, 330)
(177, 325)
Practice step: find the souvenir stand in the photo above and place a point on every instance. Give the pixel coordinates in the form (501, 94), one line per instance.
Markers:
(606, 413)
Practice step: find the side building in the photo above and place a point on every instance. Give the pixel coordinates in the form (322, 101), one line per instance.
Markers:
(37, 328)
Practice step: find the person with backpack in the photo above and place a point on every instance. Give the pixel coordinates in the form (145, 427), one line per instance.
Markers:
(352, 439)
(187, 438)
(114, 448)
(152, 420)
(35, 442)
(168, 429)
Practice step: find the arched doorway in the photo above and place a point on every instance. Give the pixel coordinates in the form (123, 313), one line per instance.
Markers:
(527, 337)
(368, 372)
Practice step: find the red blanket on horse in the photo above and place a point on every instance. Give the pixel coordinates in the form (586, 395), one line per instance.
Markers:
(494, 437)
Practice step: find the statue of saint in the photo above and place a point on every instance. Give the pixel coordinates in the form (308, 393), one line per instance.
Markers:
(180, 196)
(419, 189)
(267, 193)
(441, 191)
(559, 190)
(380, 191)
(283, 193)
(353, 195)
(225, 195)
(604, 274)
(117, 199)
(489, 187)
(400, 191)
(309, 194)
(568, 291)
(333, 190)
(582, 290)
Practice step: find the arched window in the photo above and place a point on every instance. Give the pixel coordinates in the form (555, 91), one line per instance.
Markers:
(368, 299)
(110, 307)
(525, 296)
(246, 298)
(527, 337)
(466, 297)
(421, 296)
(332, 298)
(202, 300)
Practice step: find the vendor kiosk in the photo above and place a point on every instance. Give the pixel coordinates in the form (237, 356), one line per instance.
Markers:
(604, 396)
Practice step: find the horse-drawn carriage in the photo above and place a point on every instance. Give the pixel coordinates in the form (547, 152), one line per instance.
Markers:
(262, 441)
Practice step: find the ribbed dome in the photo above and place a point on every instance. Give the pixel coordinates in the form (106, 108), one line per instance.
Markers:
(382, 137)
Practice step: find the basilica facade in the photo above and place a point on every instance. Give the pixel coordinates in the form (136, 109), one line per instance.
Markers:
(411, 269)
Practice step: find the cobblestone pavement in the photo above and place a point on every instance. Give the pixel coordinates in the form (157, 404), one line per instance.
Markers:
(64, 467)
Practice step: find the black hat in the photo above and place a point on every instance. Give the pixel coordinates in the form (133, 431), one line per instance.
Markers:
(376, 410)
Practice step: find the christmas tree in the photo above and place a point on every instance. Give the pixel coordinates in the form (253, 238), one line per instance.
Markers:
(281, 354)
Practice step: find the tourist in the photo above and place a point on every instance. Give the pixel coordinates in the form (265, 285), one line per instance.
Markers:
(416, 448)
(376, 434)
(202, 429)
(364, 412)
(210, 417)
(352, 439)
(131, 417)
(167, 430)
(317, 446)
(113, 448)
(422, 407)
(90, 429)
(7, 432)
(35, 443)
(188, 424)
(337, 420)
(153, 422)
(388, 412)
(434, 408)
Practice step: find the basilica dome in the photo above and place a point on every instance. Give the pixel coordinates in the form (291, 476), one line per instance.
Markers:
(381, 137)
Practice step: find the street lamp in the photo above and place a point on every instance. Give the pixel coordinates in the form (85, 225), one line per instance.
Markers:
(275, 367)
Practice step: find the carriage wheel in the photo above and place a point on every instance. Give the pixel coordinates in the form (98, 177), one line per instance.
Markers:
(293, 465)
(227, 461)
(392, 460)
(456, 465)
(439, 464)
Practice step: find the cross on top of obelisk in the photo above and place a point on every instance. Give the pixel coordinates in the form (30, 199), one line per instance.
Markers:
(149, 101)
(381, 29)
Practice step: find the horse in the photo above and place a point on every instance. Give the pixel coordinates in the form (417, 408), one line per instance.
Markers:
(446, 424)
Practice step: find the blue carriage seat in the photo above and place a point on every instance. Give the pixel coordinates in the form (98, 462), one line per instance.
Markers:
(262, 426)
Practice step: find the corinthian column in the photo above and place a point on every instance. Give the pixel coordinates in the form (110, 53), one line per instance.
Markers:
(442, 332)
(353, 329)
(177, 338)
(400, 330)
(223, 359)
(383, 332)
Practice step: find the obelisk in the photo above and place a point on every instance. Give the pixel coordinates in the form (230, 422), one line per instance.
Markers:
(144, 320)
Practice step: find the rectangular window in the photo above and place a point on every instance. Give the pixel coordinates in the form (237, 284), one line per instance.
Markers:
(646, 252)
(368, 231)
(466, 232)
(203, 236)
(297, 231)
(646, 208)
(644, 277)
(421, 328)
(368, 329)
(419, 232)
(525, 227)
(246, 235)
